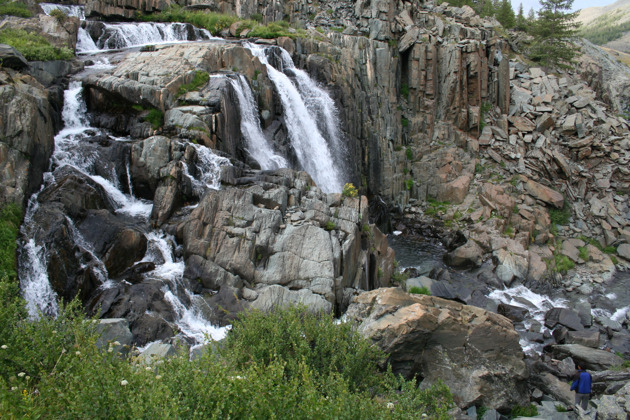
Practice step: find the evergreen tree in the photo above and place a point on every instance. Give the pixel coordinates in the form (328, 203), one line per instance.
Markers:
(505, 14)
(521, 22)
(553, 32)
(531, 16)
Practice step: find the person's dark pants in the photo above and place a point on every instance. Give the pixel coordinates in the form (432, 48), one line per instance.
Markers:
(582, 400)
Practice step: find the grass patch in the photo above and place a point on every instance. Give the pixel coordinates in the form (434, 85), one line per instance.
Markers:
(436, 207)
(330, 225)
(524, 411)
(404, 121)
(216, 22)
(479, 168)
(399, 277)
(404, 90)
(409, 153)
(200, 79)
(420, 291)
(155, 117)
(11, 8)
(34, 47)
(562, 263)
(583, 253)
(560, 216)
(408, 184)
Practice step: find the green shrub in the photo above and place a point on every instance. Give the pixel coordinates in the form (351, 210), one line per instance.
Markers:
(330, 225)
(59, 15)
(409, 153)
(155, 117)
(34, 46)
(399, 277)
(560, 216)
(563, 263)
(349, 190)
(257, 17)
(10, 219)
(583, 253)
(404, 121)
(404, 90)
(200, 79)
(561, 408)
(524, 411)
(213, 22)
(14, 8)
(409, 184)
(420, 291)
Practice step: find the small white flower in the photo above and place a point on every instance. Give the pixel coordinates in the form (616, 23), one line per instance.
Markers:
(124, 382)
(390, 405)
(158, 376)
(148, 368)
(63, 351)
(115, 343)
(54, 331)
(4, 347)
(78, 353)
(21, 374)
(14, 388)
(28, 377)
(110, 350)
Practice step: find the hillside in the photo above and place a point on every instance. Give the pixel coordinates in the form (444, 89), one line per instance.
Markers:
(607, 25)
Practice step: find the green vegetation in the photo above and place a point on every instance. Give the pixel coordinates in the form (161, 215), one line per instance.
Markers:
(216, 22)
(479, 168)
(349, 190)
(435, 207)
(287, 361)
(399, 277)
(501, 9)
(560, 216)
(14, 8)
(34, 46)
(606, 28)
(526, 411)
(330, 225)
(59, 15)
(408, 184)
(200, 79)
(404, 90)
(420, 291)
(561, 408)
(155, 118)
(553, 33)
(583, 253)
(10, 219)
(409, 153)
(404, 121)
(562, 263)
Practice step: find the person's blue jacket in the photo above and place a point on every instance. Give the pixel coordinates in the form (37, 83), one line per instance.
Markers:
(582, 382)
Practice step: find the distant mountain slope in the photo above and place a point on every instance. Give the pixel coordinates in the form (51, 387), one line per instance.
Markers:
(607, 25)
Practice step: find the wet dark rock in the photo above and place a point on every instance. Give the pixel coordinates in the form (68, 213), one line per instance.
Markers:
(135, 273)
(515, 313)
(128, 247)
(563, 316)
(589, 358)
(228, 303)
(588, 338)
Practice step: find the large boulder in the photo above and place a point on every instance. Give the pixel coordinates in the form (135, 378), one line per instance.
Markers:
(26, 136)
(475, 352)
(589, 358)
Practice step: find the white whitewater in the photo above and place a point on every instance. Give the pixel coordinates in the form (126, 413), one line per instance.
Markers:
(114, 36)
(170, 270)
(68, 10)
(257, 145)
(208, 168)
(536, 304)
(312, 149)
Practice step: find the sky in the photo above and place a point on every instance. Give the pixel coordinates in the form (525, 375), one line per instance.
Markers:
(577, 4)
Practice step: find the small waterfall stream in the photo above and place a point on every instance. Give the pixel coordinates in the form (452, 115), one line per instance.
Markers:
(258, 146)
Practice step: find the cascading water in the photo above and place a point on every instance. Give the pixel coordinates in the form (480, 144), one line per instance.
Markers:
(257, 145)
(311, 148)
(70, 151)
(111, 36)
(68, 10)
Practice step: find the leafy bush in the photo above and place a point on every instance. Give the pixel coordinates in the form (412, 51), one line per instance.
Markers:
(200, 79)
(330, 225)
(34, 46)
(563, 263)
(420, 291)
(10, 219)
(155, 117)
(560, 216)
(524, 411)
(583, 253)
(409, 184)
(349, 190)
(59, 15)
(14, 8)
(404, 90)
(409, 153)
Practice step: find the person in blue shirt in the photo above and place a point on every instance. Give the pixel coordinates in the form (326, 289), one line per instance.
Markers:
(582, 387)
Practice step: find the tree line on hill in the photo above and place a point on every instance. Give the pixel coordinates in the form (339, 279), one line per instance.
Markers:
(552, 28)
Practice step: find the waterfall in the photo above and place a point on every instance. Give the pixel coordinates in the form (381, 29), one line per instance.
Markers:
(312, 149)
(257, 145)
(112, 36)
(69, 10)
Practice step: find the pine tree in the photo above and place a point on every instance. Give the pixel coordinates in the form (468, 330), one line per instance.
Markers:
(521, 22)
(505, 14)
(553, 32)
